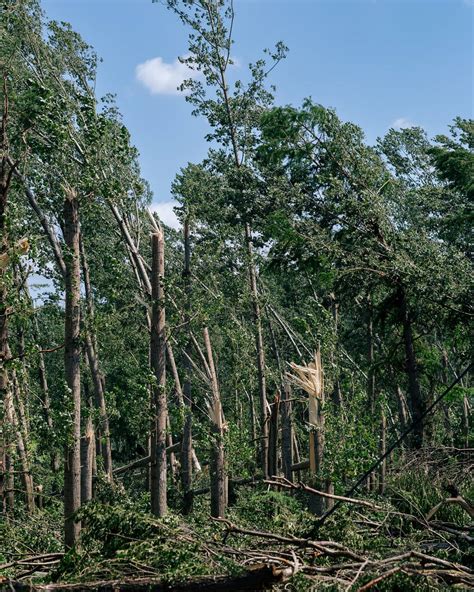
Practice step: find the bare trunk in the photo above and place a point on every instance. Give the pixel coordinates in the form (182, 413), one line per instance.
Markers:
(273, 437)
(336, 394)
(9, 449)
(187, 448)
(158, 364)
(87, 459)
(97, 378)
(18, 423)
(218, 472)
(402, 409)
(382, 450)
(416, 400)
(72, 460)
(370, 361)
(466, 413)
(46, 402)
(329, 489)
(4, 185)
(260, 354)
(286, 433)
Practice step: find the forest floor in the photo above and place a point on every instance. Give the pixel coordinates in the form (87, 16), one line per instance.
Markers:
(418, 535)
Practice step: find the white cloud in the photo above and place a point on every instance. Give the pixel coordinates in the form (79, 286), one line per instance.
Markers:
(401, 123)
(161, 78)
(166, 214)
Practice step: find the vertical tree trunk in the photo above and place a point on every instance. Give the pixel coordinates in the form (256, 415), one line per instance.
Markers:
(382, 450)
(5, 177)
(218, 472)
(72, 464)
(330, 490)
(466, 413)
(97, 378)
(158, 364)
(19, 424)
(416, 400)
(45, 399)
(286, 433)
(317, 434)
(260, 354)
(402, 409)
(370, 359)
(9, 475)
(87, 455)
(187, 446)
(336, 394)
(273, 437)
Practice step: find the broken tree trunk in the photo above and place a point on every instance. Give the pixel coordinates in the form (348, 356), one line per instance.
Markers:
(310, 379)
(218, 473)
(158, 365)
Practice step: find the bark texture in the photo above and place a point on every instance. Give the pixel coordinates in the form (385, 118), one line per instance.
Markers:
(72, 354)
(158, 471)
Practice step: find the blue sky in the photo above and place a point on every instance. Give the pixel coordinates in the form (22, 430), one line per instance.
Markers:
(379, 63)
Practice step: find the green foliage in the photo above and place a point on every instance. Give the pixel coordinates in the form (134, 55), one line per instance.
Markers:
(271, 511)
(118, 537)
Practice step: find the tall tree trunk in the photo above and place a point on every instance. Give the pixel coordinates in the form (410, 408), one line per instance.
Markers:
(416, 400)
(72, 354)
(273, 437)
(87, 454)
(18, 421)
(466, 414)
(402, 409)
(5, 177)
(370, 358)
(45, 398)
(97, 378)
(187, 447)
(317, 433)
(218, 472)
(286, 432)
(158, 364)
(382, 450)
(336, 394)
(260, 354)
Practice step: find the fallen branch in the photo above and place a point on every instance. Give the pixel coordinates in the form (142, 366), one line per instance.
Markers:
(259, 578)
(282, 482)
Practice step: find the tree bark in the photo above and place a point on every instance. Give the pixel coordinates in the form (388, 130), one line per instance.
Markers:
(72, 464)
(158, 365)
(97, 377)
(382, 450)
(187, 448)
(286, 432)
(260, 354)
(218, 472)
(370, 359)
(5, 176)
(87, 455)
(18, 424)
(273, 437)
(416, 399)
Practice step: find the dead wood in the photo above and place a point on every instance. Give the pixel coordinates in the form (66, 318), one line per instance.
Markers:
(258, 578)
